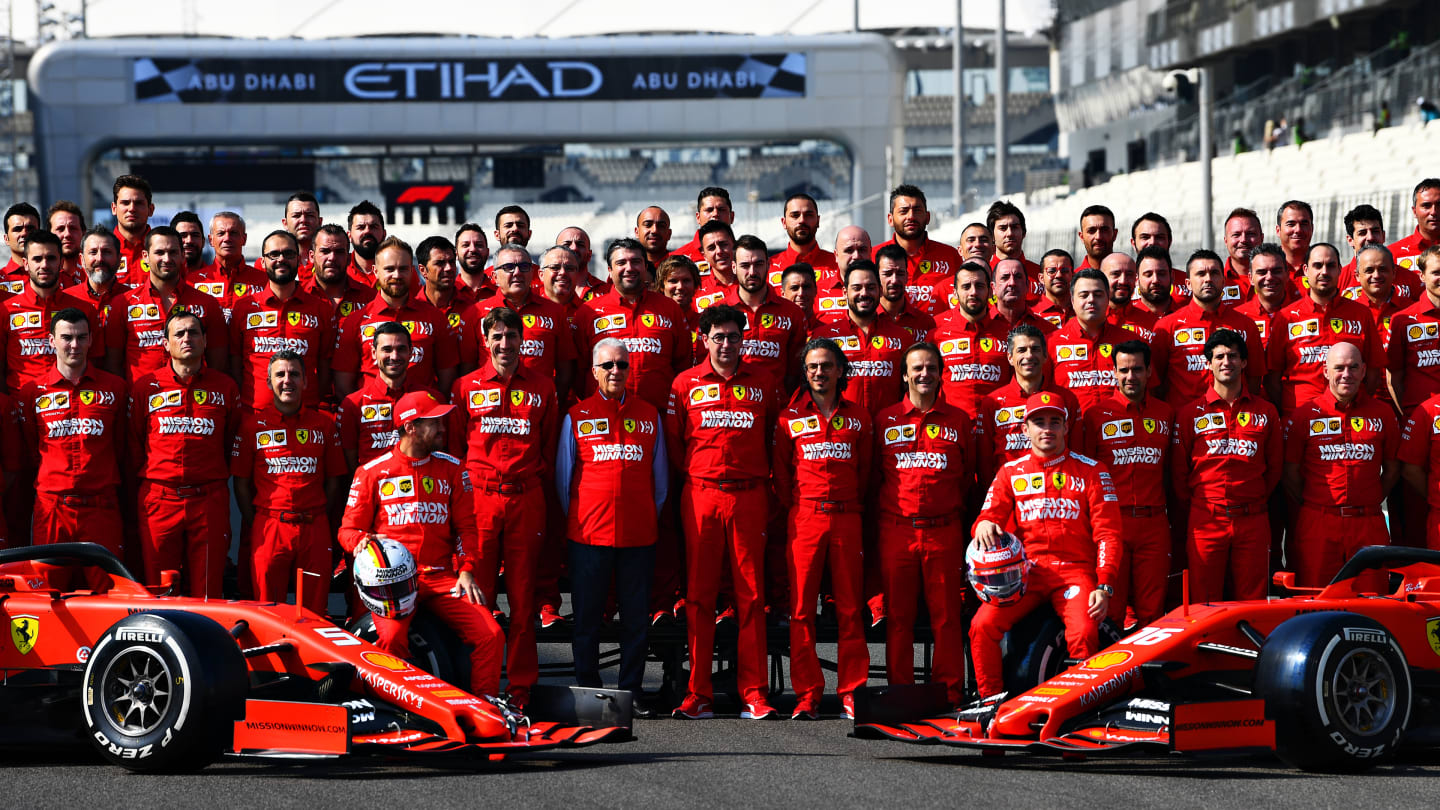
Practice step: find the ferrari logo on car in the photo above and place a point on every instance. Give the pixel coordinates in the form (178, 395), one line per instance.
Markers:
(1432, 634)
(24, 630)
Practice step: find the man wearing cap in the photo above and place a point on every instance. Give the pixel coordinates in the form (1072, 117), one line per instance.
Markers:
(925, 448)
(422, 499)
(1063, 507)
(1225, 463)
(611, 476)
(505, 424)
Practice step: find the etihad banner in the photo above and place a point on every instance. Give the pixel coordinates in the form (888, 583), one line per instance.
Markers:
(603, 78)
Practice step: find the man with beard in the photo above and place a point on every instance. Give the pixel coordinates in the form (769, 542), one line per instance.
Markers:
(1011, 306)
(1153, 230)
(436, 257)
(774, 328)
(367, 427)
(1243, 234)
(330, 279)
(25, 330)
(801, 221)
(1080, 352)
(99, 256)
(1180, 337)
(135, 336)
(1097, 234)
(192, 241)
(717, 246)
(1154, 280)
(132, 205)
(1119, 270)
(281, 317)
(21, 220)
(302, 219)
(927, 262)
(67, 221)
(872, 344)
(366, 230)
(652, 230)
(1294, 227)
(472, 251)
(512, 226)
(971, 341)
(652, 326)
(587, 286)
(894, 302)
(1001, 413)
(434, 354)
(549, 346)
(712, 205)
(1057, 268)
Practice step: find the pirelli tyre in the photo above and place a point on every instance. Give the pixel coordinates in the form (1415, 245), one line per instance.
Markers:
(162, 692)
(1034, 650)
(433, 647)
(1338, 688)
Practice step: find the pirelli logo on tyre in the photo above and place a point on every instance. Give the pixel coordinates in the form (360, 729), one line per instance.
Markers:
(481, 400)
(803, 426)
(1027, 484)
(703, 394)
(1329, 426)
(1119, 429)
(1422, 331)
(270, 438)
(1301, 329)
(589, 427)
(52, 402)
(166, 399)
(401, 486)
(376, 412)
(898, 434)
(1208, 422)
(262, 320)
(1068, 353)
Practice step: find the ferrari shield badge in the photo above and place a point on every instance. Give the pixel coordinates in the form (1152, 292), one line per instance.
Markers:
(24, 630)
(1058, 478)
(1432, 634)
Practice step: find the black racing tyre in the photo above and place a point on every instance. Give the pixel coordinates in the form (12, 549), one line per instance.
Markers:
(163, 691)
(1035, 651)
(1338, 688)
(434, 647)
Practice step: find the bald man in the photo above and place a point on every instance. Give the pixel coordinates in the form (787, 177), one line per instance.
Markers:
(1340, 451)
(1120, 271)
(852, 244)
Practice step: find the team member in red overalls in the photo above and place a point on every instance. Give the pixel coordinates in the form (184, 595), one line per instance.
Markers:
(823, 445)
(1062, 506)
(422, 499)
(288, 472)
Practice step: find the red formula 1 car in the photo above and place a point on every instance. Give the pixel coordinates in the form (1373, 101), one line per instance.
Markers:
(162, 683)
(1330, 679)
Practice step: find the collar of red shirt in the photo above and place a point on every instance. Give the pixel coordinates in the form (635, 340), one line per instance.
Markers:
(54, 377)
(1335, 404)
(1212, 396)
(940, 404)
(169, 371)
(375, 386)
(1048, 461)
(299, 296)
(742, 369)
(270, 413)
(489, 372)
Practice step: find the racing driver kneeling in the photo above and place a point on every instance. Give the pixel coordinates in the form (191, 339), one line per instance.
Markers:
(421, 500)
(1062, 506)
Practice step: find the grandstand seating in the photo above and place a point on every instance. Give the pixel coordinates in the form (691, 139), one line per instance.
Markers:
(934, 111)
(614, 171)
(683, 173)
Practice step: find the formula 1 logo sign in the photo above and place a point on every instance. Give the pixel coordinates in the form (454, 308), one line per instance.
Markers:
(603, 78)
(425, 204)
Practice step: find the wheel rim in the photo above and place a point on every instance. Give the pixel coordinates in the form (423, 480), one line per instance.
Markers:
(137, 691)
(1363, 689)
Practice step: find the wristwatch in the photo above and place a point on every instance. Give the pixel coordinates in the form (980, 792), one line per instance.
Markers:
(1105, 589)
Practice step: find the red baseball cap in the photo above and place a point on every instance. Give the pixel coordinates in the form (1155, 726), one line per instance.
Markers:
(1045, 401)
(418, 405)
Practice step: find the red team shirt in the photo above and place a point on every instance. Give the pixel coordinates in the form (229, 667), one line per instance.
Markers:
(975, 357)
(182, 429)
(1414, 348)
(263, 324)
(137, 323)
(25, 333)
(546, 343)
(1340, 449)
(1083, 364)
(507, 427)
(774, 334)
(366, 417)
(718, 428)
(820, 459)
(289, 458)
(1179, 349)
(432, 346)
(427, 505)
(925, 270)
(1133, 442)
(927, 459)
(76, 431)
(653, 329)
(1304, 334)
(1227, 453)
(875, 359)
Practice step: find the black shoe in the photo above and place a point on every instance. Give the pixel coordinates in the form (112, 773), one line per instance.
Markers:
(640, 711)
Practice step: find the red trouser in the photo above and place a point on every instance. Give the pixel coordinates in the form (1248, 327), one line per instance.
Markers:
(929, 559)
(512, 529)
(282, 548)
(1233, 545)
(815, 539)
(473, 623)
(1144, 567)
(186, 529)
(1327, 540)
(79, 519)
(1067, 588)
(725, 526)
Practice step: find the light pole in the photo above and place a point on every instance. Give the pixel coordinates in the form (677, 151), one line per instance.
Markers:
(1000, 93)
(957, 113)
(1207, 152)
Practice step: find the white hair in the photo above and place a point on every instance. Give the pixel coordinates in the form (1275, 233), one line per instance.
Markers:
(608, 343)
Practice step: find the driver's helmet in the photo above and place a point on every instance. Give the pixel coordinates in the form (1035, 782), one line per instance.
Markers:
(998, 574)
(386, 577)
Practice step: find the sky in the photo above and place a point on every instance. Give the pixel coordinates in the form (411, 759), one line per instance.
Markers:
(318, 19)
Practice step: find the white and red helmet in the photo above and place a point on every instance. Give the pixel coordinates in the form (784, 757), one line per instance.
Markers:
(386, 577)
(998, 574)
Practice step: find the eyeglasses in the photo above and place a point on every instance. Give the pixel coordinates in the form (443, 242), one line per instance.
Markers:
(725, 337)
(277, 255)
(610, 365)
(556, 267)
(515, 267)
(813, 367)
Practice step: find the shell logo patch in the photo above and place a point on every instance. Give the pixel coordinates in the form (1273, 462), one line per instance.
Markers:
(1106, 660)
(804, 425)
(1308, 328)
(143, 312)
(1209, 421)
(485, 399)
(56, 401)
(899, 433)
(607, 323)
(397, 487)
(1422, 331)
(268, 438)
(263, 320)
(589, 426)
(956, 346)
(831, 303)
(1120, 428)
(1010, 416)
(384, 661)
(167, 399)
(1325, 427)
(1194, 336)
(377, 412)
(1026, 484)
(700, 395)
(1067, 353)
(25, 319)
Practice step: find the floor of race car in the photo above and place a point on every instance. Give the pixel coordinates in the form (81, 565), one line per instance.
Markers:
(750, 764)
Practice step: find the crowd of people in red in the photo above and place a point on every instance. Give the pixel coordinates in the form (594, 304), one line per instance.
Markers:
(724, 431)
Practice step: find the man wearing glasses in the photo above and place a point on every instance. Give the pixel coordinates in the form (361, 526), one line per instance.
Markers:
(433, 357)
(548, 348)
(611, 475)
(280, 317)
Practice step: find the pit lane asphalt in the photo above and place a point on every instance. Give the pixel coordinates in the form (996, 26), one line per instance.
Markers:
(723, 762)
